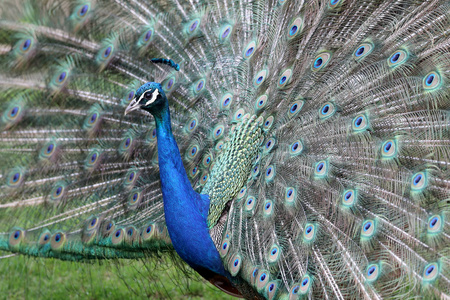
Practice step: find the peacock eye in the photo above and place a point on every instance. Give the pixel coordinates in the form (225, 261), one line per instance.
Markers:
(148, 35)
(130, 95)
(83, 10)
(148, 95)
(26, 45)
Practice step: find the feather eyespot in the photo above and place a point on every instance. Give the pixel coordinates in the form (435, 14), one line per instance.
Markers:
(263, 279)
(58, 192)
(249, 50)
(224, 247)
(148, 35)
(368, 229)
(26, 44)
(260, 78)
(204, 179)
(363, 50)
(118, 236)
(147, 232)
(58, 240)
(107, 52)
(295, 108)
(250, 203)
(48, 150)
(219, 145)
(134, 199)
(93, 158)
(226, 101)
(360, 123)
(193, 25)
(242, 193)
(15, 178)
(388, 149)
(349, 198)
(192, 152)
(169, 84)
(14, 112)
(327, 110)
(270, 173)
(284, 78)
(372, 272)
(431, 272)
(268, 208)
(290, 195)
(320, 61)
(207, 160)
(321, 169)
(268, 123)
(199, 86)
(235, 265)
(274, 254)
(83, 10)
(305, 284)
(130, 95)
(218, 131)
(271, 290)
(309, 233)
(294, 28)
(238, 115)
(419, 181)
(62, 77)
(334, 3)
(191, 125)
(435, 224)
(224, 33)
(261, 102)
(16, 237)
(296, 148)
(269, 145)
(431, 81)
(44, 237)
(397, 58)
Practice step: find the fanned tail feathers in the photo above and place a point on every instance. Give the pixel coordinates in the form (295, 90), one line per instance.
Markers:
(348, 196)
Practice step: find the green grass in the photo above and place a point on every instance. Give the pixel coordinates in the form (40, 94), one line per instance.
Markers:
(35, 278)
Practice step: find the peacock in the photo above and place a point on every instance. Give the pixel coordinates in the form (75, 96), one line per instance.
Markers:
(283, 149)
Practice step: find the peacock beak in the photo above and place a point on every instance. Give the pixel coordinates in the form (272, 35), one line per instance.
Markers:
(134, 104)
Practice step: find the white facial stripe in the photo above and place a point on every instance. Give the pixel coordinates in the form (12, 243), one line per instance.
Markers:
(154, 95)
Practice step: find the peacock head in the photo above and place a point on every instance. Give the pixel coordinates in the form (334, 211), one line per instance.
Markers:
(149, 97)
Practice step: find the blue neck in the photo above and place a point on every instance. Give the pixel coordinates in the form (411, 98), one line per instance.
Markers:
(185, 210)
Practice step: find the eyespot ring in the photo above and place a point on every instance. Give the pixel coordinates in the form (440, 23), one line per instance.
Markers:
(225, 32)
(285, 78)
(389, 149)
(431, 272)
(360, 123)
(320, 61)
(327, 110)
(250, 50)
(226, 101)
(295, 28)
(419, 181)
(368, 229)
(260, 77)
(349, 198)
(373, 272)
(261, 102)
(397, 58)
(309, 232)
(321, 169)
(363, 50)
(431, 81)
